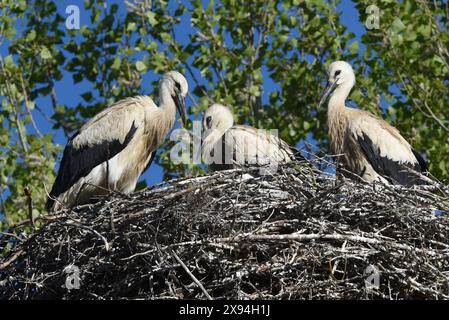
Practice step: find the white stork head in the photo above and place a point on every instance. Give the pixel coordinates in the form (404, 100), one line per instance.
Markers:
(218, 117)
(341, 79)
(216, 121)
(177, 87)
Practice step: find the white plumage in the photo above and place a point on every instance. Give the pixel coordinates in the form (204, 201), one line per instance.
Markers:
(115, 147)
(370, 147)
(226, 145)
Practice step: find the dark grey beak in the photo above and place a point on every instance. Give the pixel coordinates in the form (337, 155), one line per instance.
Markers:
(205, 128)
(330, 87)
(180, 103)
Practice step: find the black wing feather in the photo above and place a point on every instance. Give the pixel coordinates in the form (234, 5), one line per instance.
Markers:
(150, 161)
(77, 163)
(226, 154)
(422, 163)
(393, 171)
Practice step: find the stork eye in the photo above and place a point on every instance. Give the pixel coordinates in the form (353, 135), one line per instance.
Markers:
(208, 121)
(178, 85)
(337, 73)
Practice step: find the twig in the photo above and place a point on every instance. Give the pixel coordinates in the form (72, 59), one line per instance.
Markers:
(11, 260)
(198, 283)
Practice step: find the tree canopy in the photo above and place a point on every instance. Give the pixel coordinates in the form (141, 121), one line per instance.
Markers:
(265, 58)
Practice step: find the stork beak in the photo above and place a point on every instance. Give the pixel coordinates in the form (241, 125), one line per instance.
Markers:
(181, 106)
(330, 87)
(203, 130)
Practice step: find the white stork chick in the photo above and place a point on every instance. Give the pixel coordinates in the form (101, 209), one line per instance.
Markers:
(227, 146)
(370, 147)
(115, 147)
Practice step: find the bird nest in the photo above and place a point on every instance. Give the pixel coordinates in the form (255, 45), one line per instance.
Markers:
(296, 234)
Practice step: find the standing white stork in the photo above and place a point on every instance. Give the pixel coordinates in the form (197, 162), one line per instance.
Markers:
(226, 145)
(115, 147)
(370, 147)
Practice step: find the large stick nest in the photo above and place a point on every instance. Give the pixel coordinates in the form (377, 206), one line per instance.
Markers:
(298, 233)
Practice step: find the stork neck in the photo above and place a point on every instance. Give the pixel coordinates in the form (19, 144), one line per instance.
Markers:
(167, 105)
(338, 98)
(336, 118)
(213, 136)
(210, 143)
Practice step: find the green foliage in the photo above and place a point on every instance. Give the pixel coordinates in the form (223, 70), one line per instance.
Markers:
(26, 155)
(272, 48)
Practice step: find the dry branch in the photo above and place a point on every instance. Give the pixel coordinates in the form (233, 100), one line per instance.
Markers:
(296, 234)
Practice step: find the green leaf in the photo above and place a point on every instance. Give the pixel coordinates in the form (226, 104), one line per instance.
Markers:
(152, 46)
(397, 25)
(87, 96)
(9, 63)
(353, 47)
(249, 51)
(151, 16)
(293, 21)
(10, 32)
(165, 36)
(425, 30)
(31, 35)
(96, 15)
(45, 53)
(254, 91)
(306, 125)
(77, 77)
(410, 36)
(116, 64)
(283, 38)
(140, 66)
(132, 26)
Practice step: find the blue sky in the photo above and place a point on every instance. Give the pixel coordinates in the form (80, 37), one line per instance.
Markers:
(69, 93)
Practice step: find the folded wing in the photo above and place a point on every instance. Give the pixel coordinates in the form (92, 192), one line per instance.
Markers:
(96, 142)
(390, 155)
(253, 146)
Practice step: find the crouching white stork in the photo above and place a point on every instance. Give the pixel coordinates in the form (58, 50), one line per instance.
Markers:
(370, 147)
(114, 148)
(227, 146)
